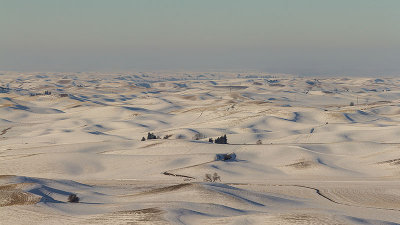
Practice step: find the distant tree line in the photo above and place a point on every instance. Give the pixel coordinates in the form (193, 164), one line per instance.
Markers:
(153, 136)
(219, 140)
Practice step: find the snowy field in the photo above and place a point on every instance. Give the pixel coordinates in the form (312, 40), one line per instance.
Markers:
(308, 151)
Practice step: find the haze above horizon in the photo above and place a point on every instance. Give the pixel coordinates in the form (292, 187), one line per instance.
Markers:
(309, 37)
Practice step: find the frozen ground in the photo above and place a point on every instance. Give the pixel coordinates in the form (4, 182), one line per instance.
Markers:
(304, 154)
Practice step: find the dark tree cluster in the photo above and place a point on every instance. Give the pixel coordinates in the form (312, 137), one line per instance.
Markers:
(151, 136)
(221, 140)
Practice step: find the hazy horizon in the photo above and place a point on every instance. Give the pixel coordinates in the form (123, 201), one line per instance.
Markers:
(310, 37)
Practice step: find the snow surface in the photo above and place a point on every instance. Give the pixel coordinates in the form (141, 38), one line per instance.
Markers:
(303, 154)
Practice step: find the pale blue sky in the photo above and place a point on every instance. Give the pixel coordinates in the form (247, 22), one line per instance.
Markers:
(307, 37)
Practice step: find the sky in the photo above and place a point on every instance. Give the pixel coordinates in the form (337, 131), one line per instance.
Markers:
(304, 37)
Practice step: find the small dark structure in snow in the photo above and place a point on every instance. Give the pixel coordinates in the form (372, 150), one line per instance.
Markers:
(180, 136)
(225, 157)
(199, 136)
(167, 136)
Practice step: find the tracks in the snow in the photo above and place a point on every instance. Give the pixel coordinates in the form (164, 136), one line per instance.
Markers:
(170, 173)
(320, 194)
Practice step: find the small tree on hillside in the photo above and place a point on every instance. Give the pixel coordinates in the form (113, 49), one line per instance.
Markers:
(73, 198)
(216, 177)
(208, 178)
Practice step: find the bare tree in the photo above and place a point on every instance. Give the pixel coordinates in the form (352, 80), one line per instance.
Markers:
(208, 178)
(212, 178)
(216, 177)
